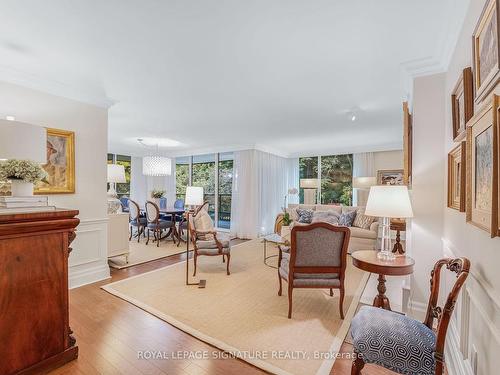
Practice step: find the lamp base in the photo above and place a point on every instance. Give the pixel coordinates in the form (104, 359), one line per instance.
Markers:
(386, 255)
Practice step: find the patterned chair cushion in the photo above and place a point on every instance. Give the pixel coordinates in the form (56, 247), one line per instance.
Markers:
(394, 341)
(213, 251)
(209, 242)
(308, 279)
(142, 221)
(162, 224)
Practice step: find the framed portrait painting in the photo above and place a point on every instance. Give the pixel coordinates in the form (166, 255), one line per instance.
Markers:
(390, 177)
(485, 50)
(60, 165)
(457, 177)
(462, 104)
(482, 168)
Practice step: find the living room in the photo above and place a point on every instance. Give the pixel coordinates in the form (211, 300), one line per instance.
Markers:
(243, 188)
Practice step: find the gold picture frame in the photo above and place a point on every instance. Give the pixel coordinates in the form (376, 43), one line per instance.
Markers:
(407, 144)
(482, 168)
(60, 165)
(390, 177)
(486, 50)
(462, 104)
(457, 177)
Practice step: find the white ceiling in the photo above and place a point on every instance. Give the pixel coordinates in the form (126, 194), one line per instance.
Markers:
(229, 74)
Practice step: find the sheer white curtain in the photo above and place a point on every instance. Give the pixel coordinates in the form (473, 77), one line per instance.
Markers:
(260, 183)
(141, 186)
(363, 166)
(293, 178)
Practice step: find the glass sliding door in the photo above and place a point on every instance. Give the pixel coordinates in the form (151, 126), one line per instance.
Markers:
(181, 176)
(308, 168)
(336, 179)
(123, 189)
(203, 174)
(225, 189)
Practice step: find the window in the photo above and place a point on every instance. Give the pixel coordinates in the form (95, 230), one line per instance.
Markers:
(203, 174)
(122, 189)
(335, 174)
(308, 168)
(214, 173)
(225, 189)
(181, 177)
(336, 179)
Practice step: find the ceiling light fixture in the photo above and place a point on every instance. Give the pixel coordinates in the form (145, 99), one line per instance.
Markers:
(10, 118)
(353, 117)
(155, 165)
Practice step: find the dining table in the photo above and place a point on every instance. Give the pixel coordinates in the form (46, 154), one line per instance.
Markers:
(170, 211)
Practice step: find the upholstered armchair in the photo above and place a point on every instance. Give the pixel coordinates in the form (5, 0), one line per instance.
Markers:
(156, 225)
(316, 258)
(205, 239)
(402, 344)
(135, 219)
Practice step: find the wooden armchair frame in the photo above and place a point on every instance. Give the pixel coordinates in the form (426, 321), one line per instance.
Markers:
(340, 270)
(194, 235)
(140, 227)
(461, 267)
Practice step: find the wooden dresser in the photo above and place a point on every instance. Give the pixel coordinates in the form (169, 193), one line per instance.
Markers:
(34, 318)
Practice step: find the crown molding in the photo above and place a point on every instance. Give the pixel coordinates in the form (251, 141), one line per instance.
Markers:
(54, 87)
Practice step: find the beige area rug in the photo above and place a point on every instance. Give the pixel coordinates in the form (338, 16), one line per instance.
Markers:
(142, 253)
(242, 313)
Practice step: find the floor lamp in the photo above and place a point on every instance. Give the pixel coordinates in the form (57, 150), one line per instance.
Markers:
(388, 201)
(194, 197)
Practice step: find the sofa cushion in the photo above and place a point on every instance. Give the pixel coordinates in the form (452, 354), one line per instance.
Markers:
(305, 216)
(346, 219)
(363, 221)
(363, 233)
(329, 207)
(330, 217)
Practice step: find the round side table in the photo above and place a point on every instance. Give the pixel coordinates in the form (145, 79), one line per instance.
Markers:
(367, 260)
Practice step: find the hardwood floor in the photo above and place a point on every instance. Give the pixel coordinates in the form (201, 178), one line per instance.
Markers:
(111, 333)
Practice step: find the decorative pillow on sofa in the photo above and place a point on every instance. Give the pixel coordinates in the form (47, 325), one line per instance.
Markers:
(346, 219)
(305, 216)
(363, 221)
(330, 217)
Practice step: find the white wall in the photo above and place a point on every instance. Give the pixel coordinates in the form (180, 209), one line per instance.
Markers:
(388, 160)
(437, 231)
(88, 261)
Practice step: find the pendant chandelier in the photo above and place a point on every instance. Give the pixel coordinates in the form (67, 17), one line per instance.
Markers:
(156, 165)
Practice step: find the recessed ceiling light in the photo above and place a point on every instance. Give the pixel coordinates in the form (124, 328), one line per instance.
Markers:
(353, 117)
(10, 118)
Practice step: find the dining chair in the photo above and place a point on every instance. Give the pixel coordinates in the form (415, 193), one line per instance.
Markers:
(135, 219)
(158, 225)
(124, 203)
(402, 344)
(317, 258)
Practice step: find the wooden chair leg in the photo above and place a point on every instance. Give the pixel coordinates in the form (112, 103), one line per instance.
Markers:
(290, 291)
(223, 258)
(147, 241)
(227, 267)
(130, 237)
(158, 236)
(357, 365)
(195, 258)
(331, 292)
(139, 228)
(281, 288)
(341, 302)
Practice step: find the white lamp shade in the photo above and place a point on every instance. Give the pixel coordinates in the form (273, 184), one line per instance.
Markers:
(156, 166)
(22, 141)
(389, 201)
(116, 173)
(309, 183)
(363, 182)
(194, 196)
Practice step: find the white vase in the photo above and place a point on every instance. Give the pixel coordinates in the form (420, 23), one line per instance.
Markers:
(21, 188)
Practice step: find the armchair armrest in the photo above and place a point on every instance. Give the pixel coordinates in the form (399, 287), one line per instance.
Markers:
(278, 223)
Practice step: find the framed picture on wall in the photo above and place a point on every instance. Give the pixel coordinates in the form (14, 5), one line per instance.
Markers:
(462, 104)
(60, 165)
(457, 177)
(407, 144)
(390, 177)
(482, 168)
(485, 50)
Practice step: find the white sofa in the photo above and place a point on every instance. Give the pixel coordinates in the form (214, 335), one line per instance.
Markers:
(361, 239)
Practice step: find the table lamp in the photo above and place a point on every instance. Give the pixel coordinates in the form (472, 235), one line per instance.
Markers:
(388, 201)
(116, 174)
(194, 197)
(310, 185)
(22, 141)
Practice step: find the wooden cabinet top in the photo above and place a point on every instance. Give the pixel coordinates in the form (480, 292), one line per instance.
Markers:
(29, 222)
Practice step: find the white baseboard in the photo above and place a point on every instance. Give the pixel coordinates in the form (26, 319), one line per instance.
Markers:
(88, 275)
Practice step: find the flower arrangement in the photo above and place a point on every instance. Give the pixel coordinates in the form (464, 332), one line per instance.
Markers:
(157, 193)
(25, 170)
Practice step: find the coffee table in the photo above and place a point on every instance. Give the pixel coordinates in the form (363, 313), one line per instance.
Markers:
(273, 238)
(367, 260)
